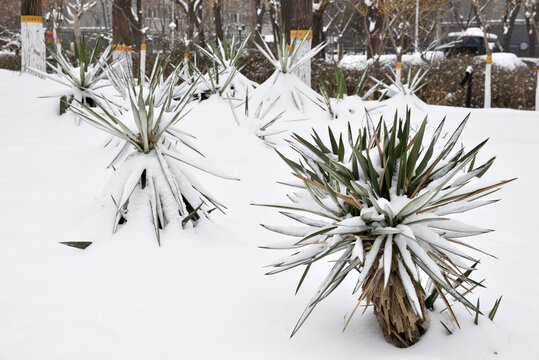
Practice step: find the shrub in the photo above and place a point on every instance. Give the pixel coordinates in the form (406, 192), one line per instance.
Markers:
(151, 172)
(380, 203)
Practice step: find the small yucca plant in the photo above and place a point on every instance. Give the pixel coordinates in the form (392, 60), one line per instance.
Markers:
(379, 203)
(289, 57)
(342, 91)
(225, 76)
(83, 79)
(414, 82)
(152, 173)
(259, 120)
(283, 84)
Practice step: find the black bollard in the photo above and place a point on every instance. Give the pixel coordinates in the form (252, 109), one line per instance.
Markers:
(468, 77)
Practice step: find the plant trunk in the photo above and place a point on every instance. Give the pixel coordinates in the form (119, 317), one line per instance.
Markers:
(32, 39)
(399, 323)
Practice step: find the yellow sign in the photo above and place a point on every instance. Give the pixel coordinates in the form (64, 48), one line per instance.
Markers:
(123, 48)
(489, 59)
(186, 56)
(301, 34)
(399, 65)
(143, 47)
(58, 41)
(31, 19)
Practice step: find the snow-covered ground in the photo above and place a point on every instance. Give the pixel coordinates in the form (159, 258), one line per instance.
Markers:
(202, 294)
(506, 61)
(360, 62)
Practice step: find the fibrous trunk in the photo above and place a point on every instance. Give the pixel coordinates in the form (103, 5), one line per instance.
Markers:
(397, 319)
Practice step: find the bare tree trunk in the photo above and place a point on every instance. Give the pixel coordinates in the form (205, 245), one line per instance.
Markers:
(260, 8)
(512, 8)
(219, 34)
(32, 39)
(274, 20)
(297, 17)
(200, 24)
(121, 12)
(318, 24)
(31, 8)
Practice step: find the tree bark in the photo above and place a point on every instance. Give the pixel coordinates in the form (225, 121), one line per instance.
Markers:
(508, 22)
(318, 25)
(121, 10)
(219, 34)
(121, 14)
(200, 24)
(31, 7)
(274, 21)
(296, 15)
(260, 10)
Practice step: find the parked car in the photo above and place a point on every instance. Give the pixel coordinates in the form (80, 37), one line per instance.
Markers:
(470, 41)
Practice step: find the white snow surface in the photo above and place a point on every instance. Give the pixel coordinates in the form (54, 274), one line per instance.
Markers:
(507, 61)
(360, 62)
(202, 294)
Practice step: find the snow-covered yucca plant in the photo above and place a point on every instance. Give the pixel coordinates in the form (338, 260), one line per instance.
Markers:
(289, 57)
(413, 84)
(225, 58)
(283, 84)
(342, 91)
(158, 86)
(379, 206)
(83, 79)
(152, 174)
(259, 121)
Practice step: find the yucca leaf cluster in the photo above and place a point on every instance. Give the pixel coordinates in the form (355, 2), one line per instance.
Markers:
(289, 57)
(89, 73)
(342, 89)
(414, 82)
(377, 205)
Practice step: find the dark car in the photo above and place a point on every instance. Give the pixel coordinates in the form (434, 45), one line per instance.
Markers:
(470, 42)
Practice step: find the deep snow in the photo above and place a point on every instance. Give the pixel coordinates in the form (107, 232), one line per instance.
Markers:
(203, 295)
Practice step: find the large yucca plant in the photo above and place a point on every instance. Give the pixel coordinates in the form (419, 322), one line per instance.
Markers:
(379, 206)
(151, 173)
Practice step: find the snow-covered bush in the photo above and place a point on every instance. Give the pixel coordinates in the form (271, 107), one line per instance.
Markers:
(379, 206)
(152, 173)
(83, 79)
